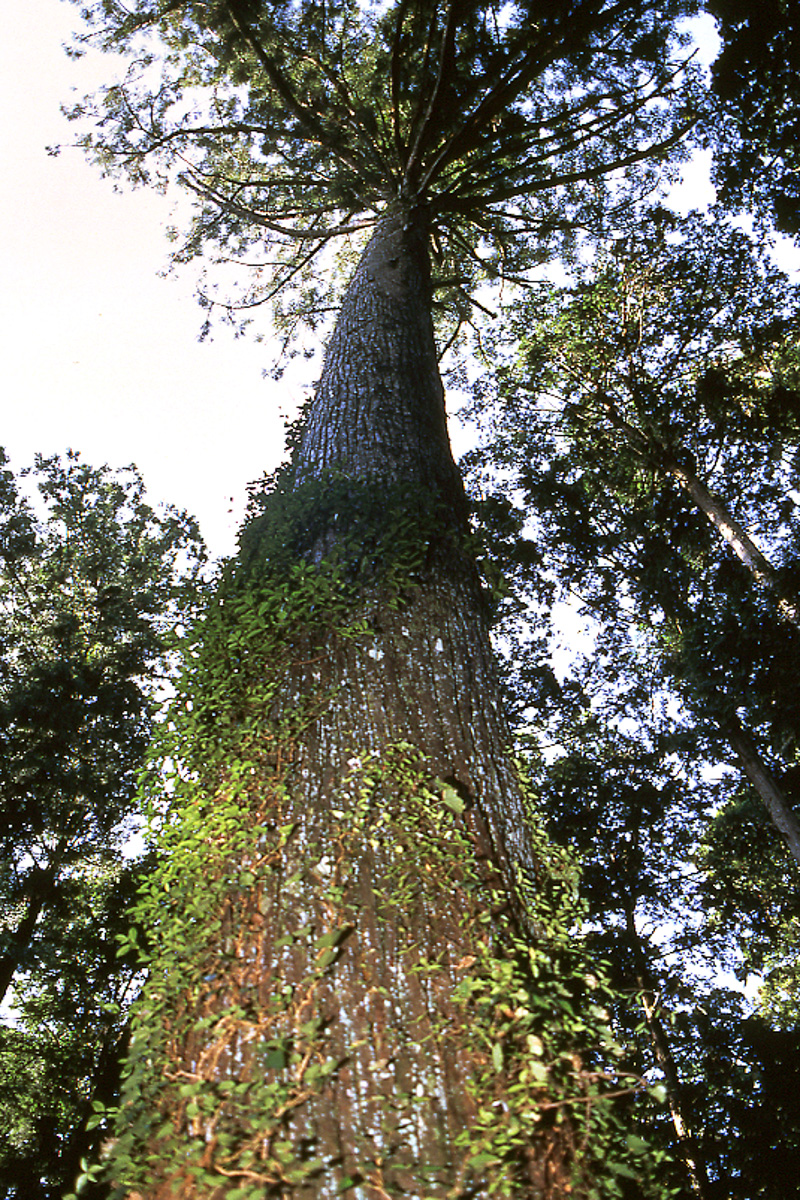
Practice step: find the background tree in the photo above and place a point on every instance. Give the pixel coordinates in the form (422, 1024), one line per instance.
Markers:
(93, 582)
(657, 370)
(755, 80)
(671, 358)
(336, 1016)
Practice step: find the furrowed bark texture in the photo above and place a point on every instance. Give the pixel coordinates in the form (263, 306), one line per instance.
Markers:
(385, 1117)
(429, 677)
(379, 407)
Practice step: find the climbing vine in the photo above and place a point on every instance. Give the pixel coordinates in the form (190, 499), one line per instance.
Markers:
(291, 970)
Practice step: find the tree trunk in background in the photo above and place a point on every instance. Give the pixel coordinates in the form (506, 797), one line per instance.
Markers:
(741, 743)
(713, 509)
(735, 536)
(346, 955)
(40, 889)
(688, 1148)
(763, 781)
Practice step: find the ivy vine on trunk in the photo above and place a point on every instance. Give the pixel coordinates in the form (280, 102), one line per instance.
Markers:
(362, 975)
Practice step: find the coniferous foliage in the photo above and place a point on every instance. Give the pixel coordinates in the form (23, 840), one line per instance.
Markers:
(294, 123)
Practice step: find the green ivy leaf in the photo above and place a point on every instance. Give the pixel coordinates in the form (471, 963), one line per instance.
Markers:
(450, 797)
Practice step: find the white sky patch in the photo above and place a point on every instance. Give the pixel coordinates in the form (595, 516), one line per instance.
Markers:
(574, 636)
(99, 353)
(694, 190)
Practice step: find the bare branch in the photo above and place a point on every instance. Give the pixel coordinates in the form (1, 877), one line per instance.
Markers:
(446, 59)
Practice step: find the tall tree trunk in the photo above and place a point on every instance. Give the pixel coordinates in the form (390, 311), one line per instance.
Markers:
(741, 743)
(374, 1045)
(764, 573)
(429, 678)
(40, 887)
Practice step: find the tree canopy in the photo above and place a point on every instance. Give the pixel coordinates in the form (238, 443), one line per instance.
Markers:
(666, 749)
(291, 123)
(93, 581)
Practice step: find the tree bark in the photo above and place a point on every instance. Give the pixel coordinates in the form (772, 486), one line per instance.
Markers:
(403, 919)
(429, 677)
(379, 408)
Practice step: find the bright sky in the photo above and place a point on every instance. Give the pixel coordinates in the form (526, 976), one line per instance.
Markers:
(98, 353)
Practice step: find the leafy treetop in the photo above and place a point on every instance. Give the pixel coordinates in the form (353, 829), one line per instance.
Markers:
(294, 122)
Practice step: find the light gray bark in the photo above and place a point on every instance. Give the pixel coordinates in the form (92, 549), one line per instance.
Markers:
(765, 784)
(378, 411)
(736, 537)
(716, 512)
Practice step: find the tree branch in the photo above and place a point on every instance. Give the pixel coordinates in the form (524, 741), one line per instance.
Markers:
(297, 233)
(446, 58)
(280, 83)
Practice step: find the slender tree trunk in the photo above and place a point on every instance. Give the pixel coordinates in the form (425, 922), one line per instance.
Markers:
(717, 513)
(774, 801)
(18, 943)
(687, 1142)
(82, 1143)
(770, 793)
(736, 537)
(20, 939)
(353, 962)
(763, 572)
